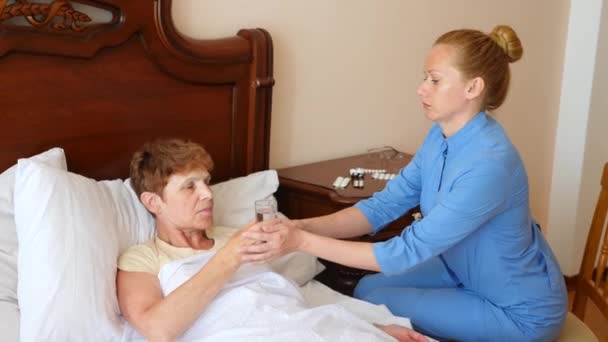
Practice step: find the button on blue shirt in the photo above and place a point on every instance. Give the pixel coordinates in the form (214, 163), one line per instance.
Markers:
(472, 189)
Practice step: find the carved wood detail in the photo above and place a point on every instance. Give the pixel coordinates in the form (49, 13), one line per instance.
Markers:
(41, 15)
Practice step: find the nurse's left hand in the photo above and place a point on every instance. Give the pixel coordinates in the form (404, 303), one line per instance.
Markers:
(274, 238)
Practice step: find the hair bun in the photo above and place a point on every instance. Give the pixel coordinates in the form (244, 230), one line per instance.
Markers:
(508, 40)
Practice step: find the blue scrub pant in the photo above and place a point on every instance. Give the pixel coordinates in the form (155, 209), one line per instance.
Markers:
(437, 306)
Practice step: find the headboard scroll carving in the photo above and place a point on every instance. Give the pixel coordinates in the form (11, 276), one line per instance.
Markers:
(41, 15)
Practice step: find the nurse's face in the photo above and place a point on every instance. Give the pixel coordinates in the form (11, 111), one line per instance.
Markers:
(443, 89)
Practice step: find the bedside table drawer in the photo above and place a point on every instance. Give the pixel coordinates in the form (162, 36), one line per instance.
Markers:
(297, 205)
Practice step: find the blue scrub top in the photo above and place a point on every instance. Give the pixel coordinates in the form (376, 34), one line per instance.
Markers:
(472, 189)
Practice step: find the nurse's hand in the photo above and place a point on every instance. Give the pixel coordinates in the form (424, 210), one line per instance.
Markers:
(274, 238)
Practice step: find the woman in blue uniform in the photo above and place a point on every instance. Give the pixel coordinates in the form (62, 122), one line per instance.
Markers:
(476, 267)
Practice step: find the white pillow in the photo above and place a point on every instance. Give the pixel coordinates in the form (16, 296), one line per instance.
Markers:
(8, 236)
(71, 230)
(233, 199)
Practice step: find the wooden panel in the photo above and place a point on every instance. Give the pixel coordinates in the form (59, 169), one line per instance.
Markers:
(100, 93)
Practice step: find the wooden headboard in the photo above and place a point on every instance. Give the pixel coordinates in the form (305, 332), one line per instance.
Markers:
(100, 88)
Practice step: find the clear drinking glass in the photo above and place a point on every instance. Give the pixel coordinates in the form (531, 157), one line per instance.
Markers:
(265, 209)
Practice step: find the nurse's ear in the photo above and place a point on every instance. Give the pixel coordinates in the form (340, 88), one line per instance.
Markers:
(474, 88)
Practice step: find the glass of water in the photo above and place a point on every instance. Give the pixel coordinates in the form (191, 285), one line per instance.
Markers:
(265, 209)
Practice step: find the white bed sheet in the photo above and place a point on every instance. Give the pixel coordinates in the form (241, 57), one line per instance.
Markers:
(314, 292)
(317, 293)
(259, 304)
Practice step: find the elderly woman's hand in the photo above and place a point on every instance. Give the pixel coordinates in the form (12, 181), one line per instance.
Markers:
(235, 248)
(274, 238)
(403, 334)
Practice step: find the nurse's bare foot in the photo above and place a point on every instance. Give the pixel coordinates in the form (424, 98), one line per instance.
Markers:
(402, 334)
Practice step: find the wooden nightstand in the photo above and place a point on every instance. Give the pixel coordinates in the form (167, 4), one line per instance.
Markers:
(307, 191)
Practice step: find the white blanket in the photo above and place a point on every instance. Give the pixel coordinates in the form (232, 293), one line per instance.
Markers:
(260, 305)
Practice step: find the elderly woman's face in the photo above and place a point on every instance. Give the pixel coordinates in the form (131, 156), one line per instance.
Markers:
(188, 201)
(443, 89)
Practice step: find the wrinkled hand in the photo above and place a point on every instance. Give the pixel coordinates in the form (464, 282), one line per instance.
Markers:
(403, 334)
(274, 238)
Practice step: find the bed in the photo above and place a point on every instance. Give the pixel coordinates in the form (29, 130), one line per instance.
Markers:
(90, 81)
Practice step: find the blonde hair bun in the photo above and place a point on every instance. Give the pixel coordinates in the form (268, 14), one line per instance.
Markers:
(508, 40)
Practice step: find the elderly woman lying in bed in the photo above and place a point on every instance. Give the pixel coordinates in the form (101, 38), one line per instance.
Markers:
(192, 283)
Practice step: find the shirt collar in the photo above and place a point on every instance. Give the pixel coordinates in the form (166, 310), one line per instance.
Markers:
(463, 135)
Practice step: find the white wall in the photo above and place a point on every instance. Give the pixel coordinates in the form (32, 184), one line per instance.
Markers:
(346, 72)
(582, 146)
(579, 152)
(596, 147)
